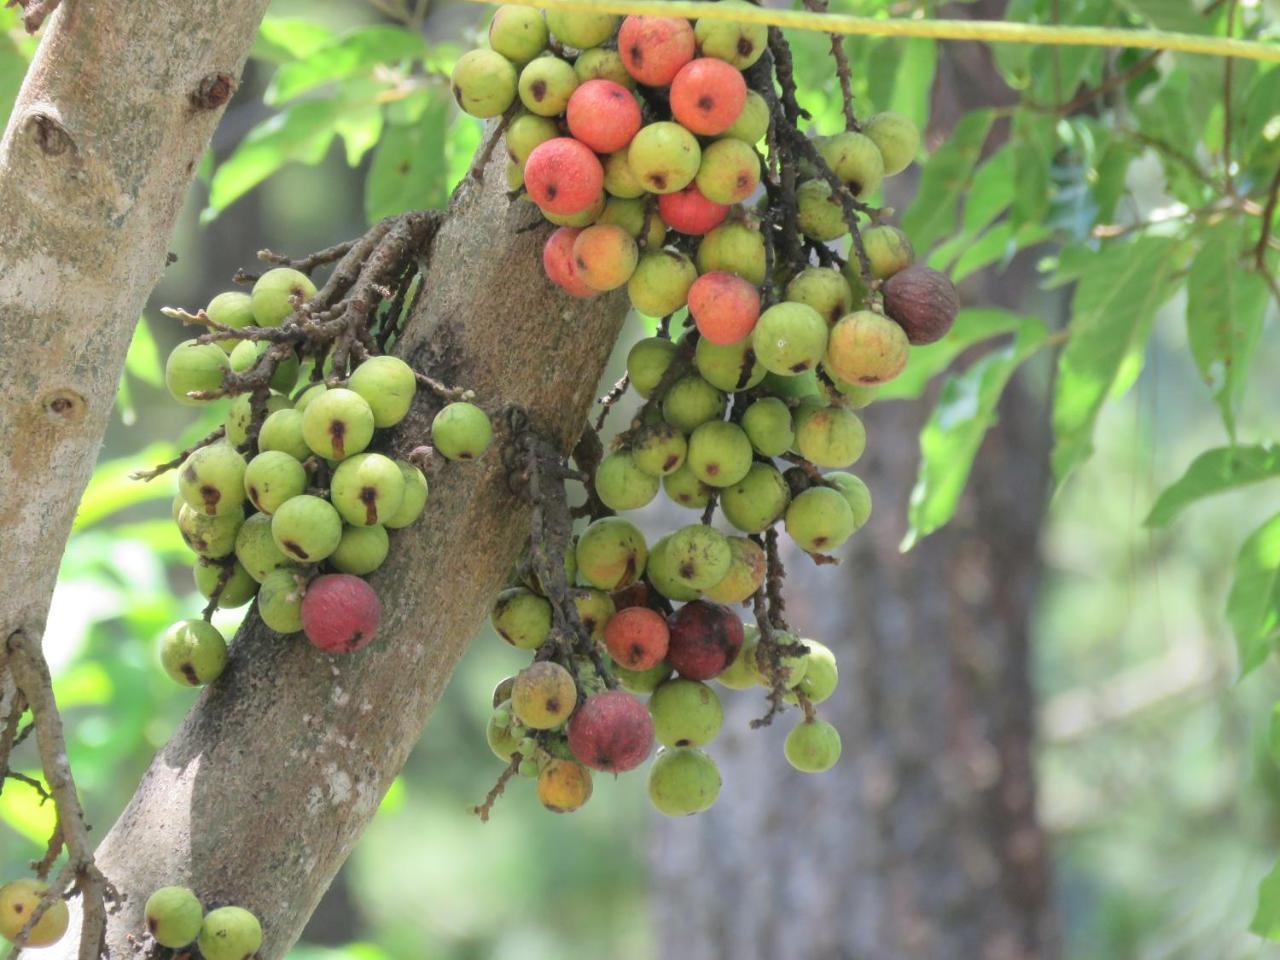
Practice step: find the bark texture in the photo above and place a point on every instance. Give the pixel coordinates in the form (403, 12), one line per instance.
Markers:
(260, 795)
(922, 843)
(102, 144)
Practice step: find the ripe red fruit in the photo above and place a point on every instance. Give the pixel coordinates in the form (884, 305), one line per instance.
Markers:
(611, 731)
(340, 613)
(705, 640)
(653, 49)
(724, 306)
(563, 176)
(557, 261)
(707, 95)
(604, 115)
(636, 638)
(689, 212)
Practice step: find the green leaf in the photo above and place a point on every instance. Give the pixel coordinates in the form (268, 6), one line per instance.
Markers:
(1000, 243)
(360, 131)
(1260, 130)
(1273, 735)
(901, 77)
(1179, 15)
(1253, 605)
(1266, 916)
(111, 489)
(1215, 471)
(966, 410)
(143, 358)
(301, 133)
(352, 55)
(971, 326)
(409, 170)
(1120, 288)
(15, 54)
(946, 176)
(1225, 307)
(281, 39)
(1033, 143)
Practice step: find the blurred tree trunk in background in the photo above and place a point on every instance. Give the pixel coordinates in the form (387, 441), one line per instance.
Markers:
(923, 841)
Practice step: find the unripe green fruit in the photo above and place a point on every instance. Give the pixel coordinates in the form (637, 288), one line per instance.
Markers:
(529, 768)
(193, 367)
(282, 431)
(230, 933)
(256, 549)
(691, 402)
(856, 160)
(767, 424)
(337, 424)
(730, 367)
(500, 736)
(829, 436)
(855, 493)
(210, 537)
(819, 520)
(461, 431)
(307, 395)
(240, 587)
(414, 500)
(611, 553)
(594, 607)
(683, 781)
(789, 338)
(518, 33)
(361, 550)
(757, 500)
(735, 248)
(738, 44)
(812, 746)
(659, 449)
(663, 575)
(686, 713)
(280, 600)
(212, 480)
(18, 900)
(897, 138)
(273, 477)
(546, 84)
(246, 355)
(741, 674)
(664, 157)
(599, 63)
(240, 414)
(647, 362)
(729, 171)
(790, 668)
(366, 489)
(581, 29)
(526, 132)
(752, 124)
(306, 529)
(544, 695)
(483, 83)
(387, 385)
(855, 396)
(719, 453)
(821, 673)
(231, 309)
(642, 223)
(819, 215)
(683, 487)
(274, 292)
(642, 681)
(798, 387)
(522, 618)
(823, 288)
(619, 179)
(621, 485)
(746, 573)
(699, 556)
(888, 250)
(866, 348)
(174, 916)
(193, 652)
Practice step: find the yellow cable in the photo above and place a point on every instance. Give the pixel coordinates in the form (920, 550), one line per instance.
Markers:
(992, 31)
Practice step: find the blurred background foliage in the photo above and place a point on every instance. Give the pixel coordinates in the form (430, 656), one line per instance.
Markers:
(1158, 782)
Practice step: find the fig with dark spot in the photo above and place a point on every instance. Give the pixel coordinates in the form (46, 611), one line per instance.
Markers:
(611, 731)
(193, 652)
(705, 640)
(544, 695)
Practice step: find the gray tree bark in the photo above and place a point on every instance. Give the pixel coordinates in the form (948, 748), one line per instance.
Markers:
(922, 843)
(261, 794)
(102, 144)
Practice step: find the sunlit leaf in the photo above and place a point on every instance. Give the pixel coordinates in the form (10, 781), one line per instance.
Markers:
(143, 358)
(281, 39)
(1253, 605)
(21, 809)
(1266, 916)
(1215, 471)
(111, 490)
(349, 56)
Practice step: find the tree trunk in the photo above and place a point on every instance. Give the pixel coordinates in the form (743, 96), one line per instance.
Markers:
(260, 795)
(115, 113)
(923, 841)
